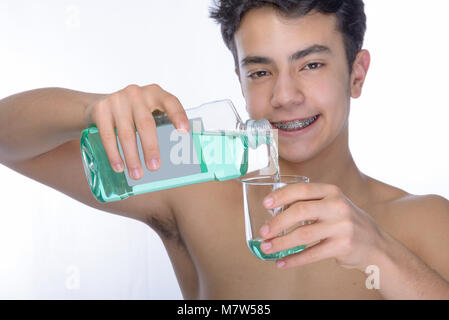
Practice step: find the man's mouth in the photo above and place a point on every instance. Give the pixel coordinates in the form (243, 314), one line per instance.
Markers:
(294, 125)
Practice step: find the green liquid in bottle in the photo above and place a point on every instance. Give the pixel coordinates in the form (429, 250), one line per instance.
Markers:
(214, 156)
(224, 154)
(254, 246)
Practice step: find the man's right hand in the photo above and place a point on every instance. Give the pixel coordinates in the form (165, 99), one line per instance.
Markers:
(127, 110)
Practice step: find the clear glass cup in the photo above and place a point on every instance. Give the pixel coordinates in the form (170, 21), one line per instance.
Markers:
(254, 191)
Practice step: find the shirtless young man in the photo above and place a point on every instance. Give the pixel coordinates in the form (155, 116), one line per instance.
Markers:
(290, 66)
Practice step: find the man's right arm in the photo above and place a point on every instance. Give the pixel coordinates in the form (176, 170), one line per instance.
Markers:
(40, 131)
(37, 121)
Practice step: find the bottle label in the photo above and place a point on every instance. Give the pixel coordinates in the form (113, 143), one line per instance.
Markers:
(177, 154)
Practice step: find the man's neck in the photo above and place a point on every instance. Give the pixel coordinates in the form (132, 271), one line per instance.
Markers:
(333, 165)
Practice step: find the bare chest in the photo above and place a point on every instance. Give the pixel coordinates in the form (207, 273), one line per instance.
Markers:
(211, 223)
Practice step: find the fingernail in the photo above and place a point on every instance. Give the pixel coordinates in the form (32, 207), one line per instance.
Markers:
(268, 202)
(154, 164)
(280, 263)
(264, 230)
(118, 167)
(265, 245)
(135, 173)
(182, 128)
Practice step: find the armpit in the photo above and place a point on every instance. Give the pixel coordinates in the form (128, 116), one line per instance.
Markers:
(165, 227)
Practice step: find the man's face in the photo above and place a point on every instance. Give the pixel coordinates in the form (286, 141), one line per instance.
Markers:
(293, 69)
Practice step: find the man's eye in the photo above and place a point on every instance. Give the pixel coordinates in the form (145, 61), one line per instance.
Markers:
(258, 74)
(313, 66)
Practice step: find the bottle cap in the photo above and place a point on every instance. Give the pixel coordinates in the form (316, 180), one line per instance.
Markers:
(257, 132)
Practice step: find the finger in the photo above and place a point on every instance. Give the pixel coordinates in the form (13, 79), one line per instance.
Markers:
(127, 136)
(146, 127)
(300, 236)
(299, 191)
(296, 214)
(174, 111)
(105, 124)
(325, 249)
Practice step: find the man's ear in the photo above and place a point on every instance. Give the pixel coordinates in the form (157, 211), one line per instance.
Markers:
(359, 72)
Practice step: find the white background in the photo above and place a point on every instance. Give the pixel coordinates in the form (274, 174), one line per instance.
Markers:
(54, 247)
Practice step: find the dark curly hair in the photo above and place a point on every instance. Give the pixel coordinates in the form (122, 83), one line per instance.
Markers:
(350, 16)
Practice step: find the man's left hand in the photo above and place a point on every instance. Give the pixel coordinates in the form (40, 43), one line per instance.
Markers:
(344, 231)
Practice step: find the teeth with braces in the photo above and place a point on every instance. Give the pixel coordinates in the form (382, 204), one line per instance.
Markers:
(293, 125)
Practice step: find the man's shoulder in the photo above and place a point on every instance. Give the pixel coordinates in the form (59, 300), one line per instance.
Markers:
(421, 206)
(398, 200)
(410, 217)
(418, 221)
(421, 223)
(417, 210)
(422, 216)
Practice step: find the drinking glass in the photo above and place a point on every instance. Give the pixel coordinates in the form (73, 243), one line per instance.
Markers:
(254, 191)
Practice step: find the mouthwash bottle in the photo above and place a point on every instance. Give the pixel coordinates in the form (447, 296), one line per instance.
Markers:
(219, 146)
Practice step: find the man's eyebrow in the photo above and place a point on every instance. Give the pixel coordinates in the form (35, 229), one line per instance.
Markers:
(316, 48)
(255, 60)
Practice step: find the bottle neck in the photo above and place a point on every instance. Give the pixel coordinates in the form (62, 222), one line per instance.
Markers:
(252, 128)
(256, 125)
(258, 132)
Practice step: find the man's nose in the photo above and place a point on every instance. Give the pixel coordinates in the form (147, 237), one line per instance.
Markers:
(286, 91)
